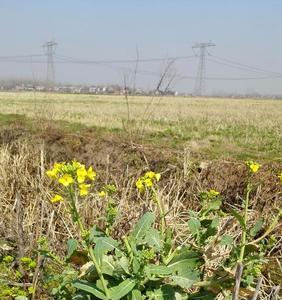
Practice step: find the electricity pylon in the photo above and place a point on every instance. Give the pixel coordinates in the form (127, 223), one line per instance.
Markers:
(200, 79)
(50, 48)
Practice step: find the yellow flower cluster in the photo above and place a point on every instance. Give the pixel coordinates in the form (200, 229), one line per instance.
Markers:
(147, 181)
(280, 176)
(68, 174)
(213, 193)
(102, 194)
(253, 166)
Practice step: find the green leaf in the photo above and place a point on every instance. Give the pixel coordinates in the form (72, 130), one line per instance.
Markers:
(226, 240)
(194, 226)
(122, 289)
(202, 295)
(157, 270)
(211, 230)
(185, 278)
(185, 268)
(257, 227)
(72, 246)
(239, 218)
(191, 258)
(104, 245)
(153, 239)
(168, 244)
(214, 223)
(108, 266)
(142, 226)
(82, 296)
(166, 292)
(214, 205)
(95, 233)
(135, 295)
(135, 265)
(124, 264)
(249, 249)
(88, 287)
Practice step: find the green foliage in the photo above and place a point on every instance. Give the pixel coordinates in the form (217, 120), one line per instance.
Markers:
(148, 263)
(11, 271)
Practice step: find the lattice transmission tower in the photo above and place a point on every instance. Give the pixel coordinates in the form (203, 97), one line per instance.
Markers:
(49, 48)
(200, 79)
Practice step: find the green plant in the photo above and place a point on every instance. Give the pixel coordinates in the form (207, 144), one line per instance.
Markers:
(12, 273)
(209, 229)
(147, 263)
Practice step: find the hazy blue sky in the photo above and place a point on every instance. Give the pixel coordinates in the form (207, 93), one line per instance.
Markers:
(247, 31)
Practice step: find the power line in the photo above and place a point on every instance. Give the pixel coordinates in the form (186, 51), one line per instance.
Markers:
(238, 67)
(139, 60)
(111, 64)
(231, 61)
(20, 56)
(232, 78)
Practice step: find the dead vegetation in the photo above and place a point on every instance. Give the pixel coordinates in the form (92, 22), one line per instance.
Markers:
(24, 158)
(25, 192)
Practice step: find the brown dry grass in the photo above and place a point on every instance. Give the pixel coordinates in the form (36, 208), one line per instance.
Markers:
(22, 179)
(25, 191)
(27, 213)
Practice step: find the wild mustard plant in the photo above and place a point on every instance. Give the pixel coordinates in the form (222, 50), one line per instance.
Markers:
(76, 181)
(147, 263)
(144, 265)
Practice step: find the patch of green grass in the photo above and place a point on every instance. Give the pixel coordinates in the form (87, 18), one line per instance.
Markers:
(8, 119)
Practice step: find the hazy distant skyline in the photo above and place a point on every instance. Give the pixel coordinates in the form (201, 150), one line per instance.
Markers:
(248, 32)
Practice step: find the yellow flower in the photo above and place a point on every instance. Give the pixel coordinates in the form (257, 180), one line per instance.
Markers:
(58, 166)
(280, 176)
(150, 175)
(52, 173)
(76, 164)
(66, 180)
(253, 166)
(148, 182)
(158, 176)
(83, 189)
(139, 184)
(57, 198)
(81, 174)
(102, 194)
(213, 193)
(91, 174)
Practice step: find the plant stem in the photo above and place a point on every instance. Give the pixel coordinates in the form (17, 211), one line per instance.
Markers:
(100, 274)
(128, 248)
(171, 256)
(88, 247)
(244, 233)
(162, 215)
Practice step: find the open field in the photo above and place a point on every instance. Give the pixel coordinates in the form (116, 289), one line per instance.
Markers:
(217, 128)
(197, 146)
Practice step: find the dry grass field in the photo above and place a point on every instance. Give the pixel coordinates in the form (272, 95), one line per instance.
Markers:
(219, 128)
(196, 145)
